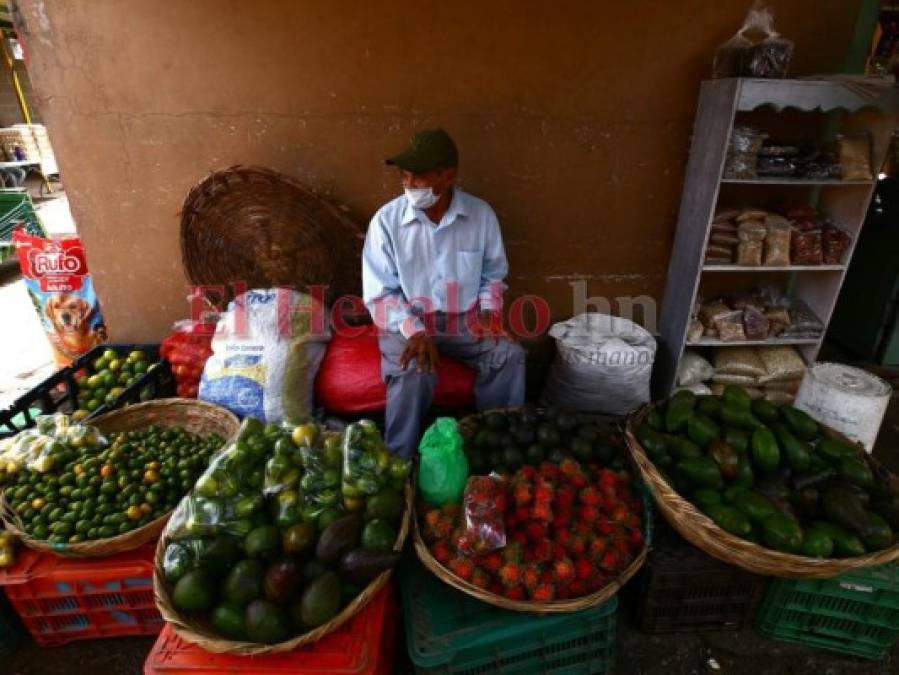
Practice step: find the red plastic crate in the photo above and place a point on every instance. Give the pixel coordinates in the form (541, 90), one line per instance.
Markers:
(364, 645)
(65, 599)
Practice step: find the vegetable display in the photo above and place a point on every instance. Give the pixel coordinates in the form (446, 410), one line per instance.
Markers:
(69, 484)
(542, 525)
(284, 529)
(772, 475)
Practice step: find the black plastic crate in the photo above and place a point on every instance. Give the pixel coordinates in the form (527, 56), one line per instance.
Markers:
(684, 590)
(59, 392)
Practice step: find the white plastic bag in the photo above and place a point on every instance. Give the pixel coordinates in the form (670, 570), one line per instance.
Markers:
(265, 354)
(693, 369)
(603, 364)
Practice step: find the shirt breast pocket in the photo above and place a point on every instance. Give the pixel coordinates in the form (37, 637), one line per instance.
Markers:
(468, 275)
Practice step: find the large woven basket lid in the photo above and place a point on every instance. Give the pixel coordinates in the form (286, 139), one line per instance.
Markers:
(255, 225)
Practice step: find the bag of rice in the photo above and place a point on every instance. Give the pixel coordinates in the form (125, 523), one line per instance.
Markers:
(738, 361)
(781, 363)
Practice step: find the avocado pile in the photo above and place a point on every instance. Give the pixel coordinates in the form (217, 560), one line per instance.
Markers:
(772, 475)
(284, 529)
(77, 486)
(504, 441)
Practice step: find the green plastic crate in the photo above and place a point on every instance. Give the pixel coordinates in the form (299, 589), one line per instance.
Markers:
(16, 208)
(856, 613)
(450, 633)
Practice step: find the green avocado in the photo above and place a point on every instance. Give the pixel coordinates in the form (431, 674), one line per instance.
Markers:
(266, 622)
(228, 621)
(319, 603)
(194, 592)
(263, 542)
(378, 535)
(388, 505)
(244, 583)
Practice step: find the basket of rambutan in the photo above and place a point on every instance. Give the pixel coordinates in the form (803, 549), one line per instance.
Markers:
(548, 538)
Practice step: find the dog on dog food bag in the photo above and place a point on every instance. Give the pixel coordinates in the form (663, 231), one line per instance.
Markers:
(55, 273)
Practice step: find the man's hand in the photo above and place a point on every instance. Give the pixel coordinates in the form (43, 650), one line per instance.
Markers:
(421, 348)
(489, 324)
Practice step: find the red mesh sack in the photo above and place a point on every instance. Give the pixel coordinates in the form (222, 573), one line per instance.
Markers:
(349, 379)
(187, 348)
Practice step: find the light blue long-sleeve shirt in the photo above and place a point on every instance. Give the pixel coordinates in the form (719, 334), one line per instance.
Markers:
(412, 266)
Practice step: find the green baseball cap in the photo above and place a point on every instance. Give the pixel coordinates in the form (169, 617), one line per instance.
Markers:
(428, 150)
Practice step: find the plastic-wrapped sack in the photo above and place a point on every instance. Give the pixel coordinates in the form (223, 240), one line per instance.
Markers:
(693, 369)
(266, 352)
(484, 508)
(442, 465)
(603, 364)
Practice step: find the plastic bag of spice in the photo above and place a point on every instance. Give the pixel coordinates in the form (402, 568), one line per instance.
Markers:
(730, 327)
(806, 247)
(710, 311)
(854, 151)
(752, 230)
(749, 253)
(835, 243)
(743, 152)
(777, 243)
(756, 50)
(755, 324)
(778, 319)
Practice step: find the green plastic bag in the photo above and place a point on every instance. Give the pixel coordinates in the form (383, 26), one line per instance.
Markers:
(443, 466)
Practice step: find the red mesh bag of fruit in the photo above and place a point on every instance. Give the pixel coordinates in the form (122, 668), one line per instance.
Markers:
(187, 348)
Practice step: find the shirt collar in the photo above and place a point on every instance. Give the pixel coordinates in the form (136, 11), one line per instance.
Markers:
(456, 209)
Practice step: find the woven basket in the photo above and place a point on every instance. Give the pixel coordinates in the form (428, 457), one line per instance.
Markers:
(550, 607)
(254, 225)
(701, 531)
(466, 426)
(195, 416)
(200, 633)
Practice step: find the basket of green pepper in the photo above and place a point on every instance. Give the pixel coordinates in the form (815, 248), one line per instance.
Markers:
(765, 487)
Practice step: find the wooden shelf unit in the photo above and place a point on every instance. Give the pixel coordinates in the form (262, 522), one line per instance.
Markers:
(872, 106)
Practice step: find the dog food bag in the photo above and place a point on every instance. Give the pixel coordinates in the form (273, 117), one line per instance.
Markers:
(57, 279)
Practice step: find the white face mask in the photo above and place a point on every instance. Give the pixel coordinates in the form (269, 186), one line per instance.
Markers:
(421, 198)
